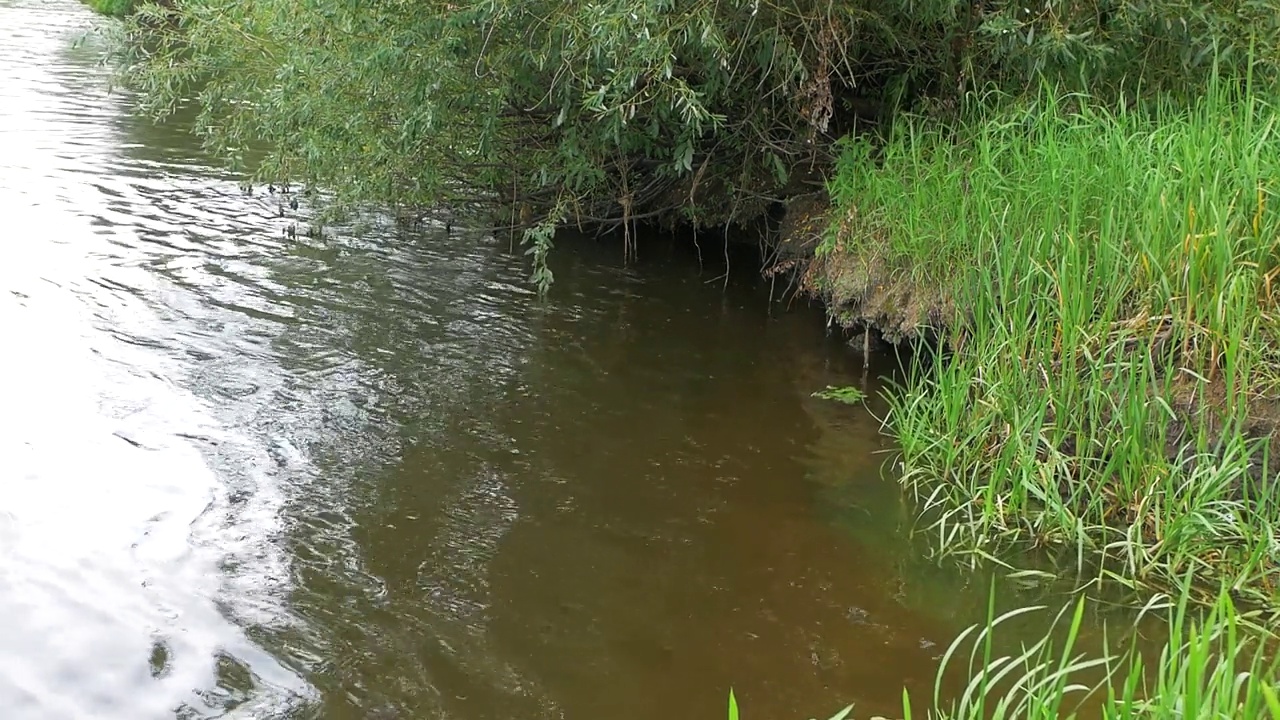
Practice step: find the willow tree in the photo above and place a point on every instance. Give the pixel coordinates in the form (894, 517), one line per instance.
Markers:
(613, 109)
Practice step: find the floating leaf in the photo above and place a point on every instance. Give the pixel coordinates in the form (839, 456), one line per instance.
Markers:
(848, 394)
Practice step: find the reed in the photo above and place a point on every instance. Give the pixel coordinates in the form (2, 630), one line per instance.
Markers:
(1214, 664)
(1212, 660)
(1114, 354)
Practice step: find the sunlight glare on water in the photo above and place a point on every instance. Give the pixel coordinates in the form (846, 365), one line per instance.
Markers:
(110, 516)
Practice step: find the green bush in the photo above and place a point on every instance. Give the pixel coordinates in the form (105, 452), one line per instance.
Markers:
(113, 8)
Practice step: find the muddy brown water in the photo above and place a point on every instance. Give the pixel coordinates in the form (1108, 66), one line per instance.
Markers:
(372, 476)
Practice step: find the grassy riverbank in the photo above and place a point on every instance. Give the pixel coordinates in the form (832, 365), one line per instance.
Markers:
(112, 8)
(1213, 664)
(1107, 286)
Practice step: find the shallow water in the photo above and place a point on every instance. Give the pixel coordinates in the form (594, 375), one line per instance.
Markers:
(372, 476)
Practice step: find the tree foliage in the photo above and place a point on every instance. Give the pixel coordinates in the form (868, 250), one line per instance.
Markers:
(596, 111)
(112, 8)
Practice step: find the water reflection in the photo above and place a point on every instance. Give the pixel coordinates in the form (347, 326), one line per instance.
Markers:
(127, 502)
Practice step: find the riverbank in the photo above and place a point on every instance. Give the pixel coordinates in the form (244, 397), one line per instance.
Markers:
(112, 8)
(1105, 285)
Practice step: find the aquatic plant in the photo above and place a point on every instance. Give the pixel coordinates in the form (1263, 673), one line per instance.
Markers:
(846, 394)
(1109, 281)
(1211, 665)
(1213, 662)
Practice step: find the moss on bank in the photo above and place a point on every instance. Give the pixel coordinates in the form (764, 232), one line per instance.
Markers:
(1107, 288)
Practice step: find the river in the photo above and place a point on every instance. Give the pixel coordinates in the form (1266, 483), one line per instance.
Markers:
(372, 475)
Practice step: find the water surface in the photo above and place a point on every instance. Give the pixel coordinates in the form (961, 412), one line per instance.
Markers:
(371, 475)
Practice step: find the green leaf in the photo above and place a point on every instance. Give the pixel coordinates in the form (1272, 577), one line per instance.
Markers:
(1273, 703)
(843, 713)
(848, 394)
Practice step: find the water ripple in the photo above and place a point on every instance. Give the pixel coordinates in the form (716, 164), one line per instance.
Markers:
(368, 474)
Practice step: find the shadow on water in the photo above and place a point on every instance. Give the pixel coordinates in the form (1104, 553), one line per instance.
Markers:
(382, 479)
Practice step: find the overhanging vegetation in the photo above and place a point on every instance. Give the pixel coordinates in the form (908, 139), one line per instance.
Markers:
(676, 110)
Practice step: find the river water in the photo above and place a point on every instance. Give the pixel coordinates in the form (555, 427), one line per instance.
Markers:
(371, 475)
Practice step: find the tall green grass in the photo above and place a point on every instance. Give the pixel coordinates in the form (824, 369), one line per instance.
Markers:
(1214, 665)
(113, 8)
(1116, 275)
